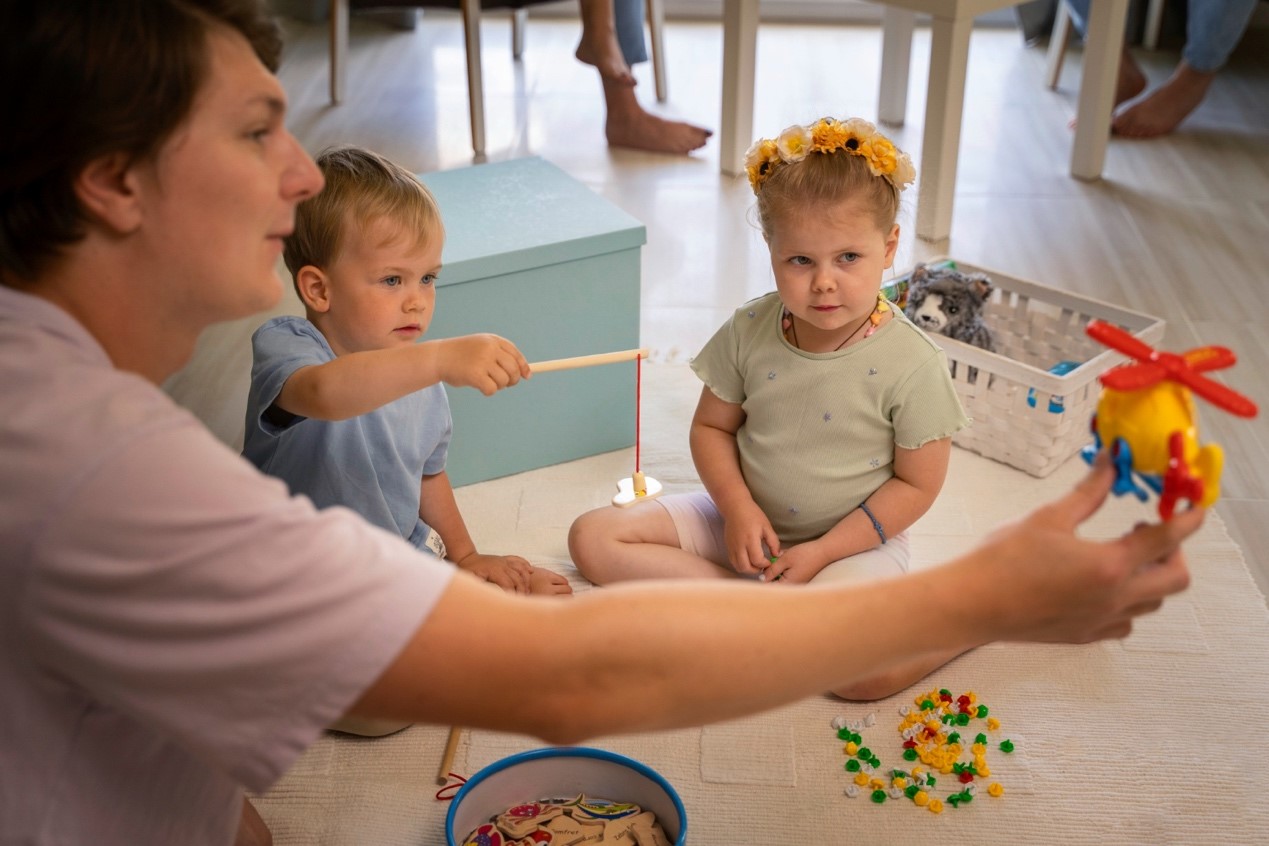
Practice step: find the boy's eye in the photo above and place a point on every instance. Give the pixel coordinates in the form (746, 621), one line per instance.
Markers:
(799, 260)
(391, 281)
(429, 279)
(850, 257)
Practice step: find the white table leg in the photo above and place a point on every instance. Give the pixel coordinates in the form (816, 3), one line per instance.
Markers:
(1102, 47)
(896, 59)
(949, 57)
(740, 49)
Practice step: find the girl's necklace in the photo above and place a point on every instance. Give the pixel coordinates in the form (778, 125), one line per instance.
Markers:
(793, 328)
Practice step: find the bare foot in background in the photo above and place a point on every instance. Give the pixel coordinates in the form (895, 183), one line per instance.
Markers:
(1163, 109)
(549, 583)
(1131, 81)
(599, 47)
(628, 125)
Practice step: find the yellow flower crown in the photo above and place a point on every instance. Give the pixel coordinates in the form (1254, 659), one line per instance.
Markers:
(855, 136)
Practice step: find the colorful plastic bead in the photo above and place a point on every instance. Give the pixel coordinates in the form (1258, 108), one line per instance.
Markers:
(852, 766)
(996, 789)
(879, 796)
(1006, 746)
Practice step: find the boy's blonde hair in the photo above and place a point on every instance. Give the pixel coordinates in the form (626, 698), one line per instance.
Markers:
(361, 187)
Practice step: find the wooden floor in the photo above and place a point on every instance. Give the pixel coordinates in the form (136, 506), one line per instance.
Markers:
(1179, 227)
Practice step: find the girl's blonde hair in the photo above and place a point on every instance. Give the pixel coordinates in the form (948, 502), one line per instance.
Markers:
(825, 179)
(829, 161)
(361, 187)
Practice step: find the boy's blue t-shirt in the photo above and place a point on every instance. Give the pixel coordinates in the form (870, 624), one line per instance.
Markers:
(372, 464)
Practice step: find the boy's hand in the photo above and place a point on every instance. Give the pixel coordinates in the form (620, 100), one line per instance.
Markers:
(749, 536)
(509, 572)
(487, 363)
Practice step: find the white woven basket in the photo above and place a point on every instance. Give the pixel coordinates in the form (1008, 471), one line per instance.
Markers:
(1024, 415)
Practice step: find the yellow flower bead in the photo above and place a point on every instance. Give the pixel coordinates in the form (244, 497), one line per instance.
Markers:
(899, 782)
(921, 798)
(936, 806)
(996, 789)
(978, 749)
(861, 779)
(992, 723)
(852, 748)
(984, 770)
(878, 784)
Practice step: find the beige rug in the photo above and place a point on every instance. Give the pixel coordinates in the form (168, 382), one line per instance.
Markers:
(1152, 740)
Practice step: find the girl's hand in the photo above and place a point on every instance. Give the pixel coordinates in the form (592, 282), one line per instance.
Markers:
(509, 572)
(749, 536)
(796, 566)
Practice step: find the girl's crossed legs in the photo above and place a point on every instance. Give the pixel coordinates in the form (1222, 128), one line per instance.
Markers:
(681, 536)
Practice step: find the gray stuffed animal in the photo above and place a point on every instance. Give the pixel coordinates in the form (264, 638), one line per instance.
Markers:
(942, 299)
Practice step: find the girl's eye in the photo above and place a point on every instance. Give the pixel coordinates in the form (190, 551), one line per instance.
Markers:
(801, 260)
(429, 279)
(392, 281)
(259, 135)
(850, 257)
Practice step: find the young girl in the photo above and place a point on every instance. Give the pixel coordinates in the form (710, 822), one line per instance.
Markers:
(824, 428)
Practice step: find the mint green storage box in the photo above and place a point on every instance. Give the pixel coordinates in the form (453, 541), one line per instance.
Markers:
(537, 257)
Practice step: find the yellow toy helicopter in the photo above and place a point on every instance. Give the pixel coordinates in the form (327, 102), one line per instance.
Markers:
(1146, 415)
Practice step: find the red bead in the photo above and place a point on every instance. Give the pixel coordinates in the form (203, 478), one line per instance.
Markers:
(910, 744)
(966, 776)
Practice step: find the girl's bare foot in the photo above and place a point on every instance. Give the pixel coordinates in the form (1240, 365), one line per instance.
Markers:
(1163, 109)
(628, 125)
(548, 583)
(252, 830)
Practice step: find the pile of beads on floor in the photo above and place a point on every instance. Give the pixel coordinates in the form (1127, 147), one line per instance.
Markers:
(937, 733)
(570, 822)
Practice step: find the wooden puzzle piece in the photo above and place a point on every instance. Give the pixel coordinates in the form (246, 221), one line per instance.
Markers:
(523, 819)
(646, 831)
(567, 831)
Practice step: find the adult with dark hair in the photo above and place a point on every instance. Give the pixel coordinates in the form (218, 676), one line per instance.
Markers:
(174, 627)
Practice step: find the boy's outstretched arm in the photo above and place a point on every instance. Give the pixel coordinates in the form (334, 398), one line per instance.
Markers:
(359, 382)
(638, 657)
(439, 509)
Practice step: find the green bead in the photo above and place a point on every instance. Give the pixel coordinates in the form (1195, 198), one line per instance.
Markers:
(852, 766)
(909, 754)
(954, 737)
(911, 790)
(926, 705)
(843, 733)
(876, 762)
(1006, 746)
(879, 796)
(856, 737)
(982, 711)
(944, 692)
(930, 781)
(962, 719)
(864, 754)
(980, 738)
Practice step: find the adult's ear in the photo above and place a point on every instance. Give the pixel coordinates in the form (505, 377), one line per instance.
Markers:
(107, 190)
(314, 288)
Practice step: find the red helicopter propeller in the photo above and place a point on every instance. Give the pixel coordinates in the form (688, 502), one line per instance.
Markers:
(1153, 366)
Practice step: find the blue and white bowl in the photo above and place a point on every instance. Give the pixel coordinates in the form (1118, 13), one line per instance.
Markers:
(564, 772)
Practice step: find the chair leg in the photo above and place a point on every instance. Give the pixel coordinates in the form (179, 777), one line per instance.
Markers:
(475, 85)
(338, 50)
(519, 20)
(1058, 40)
(656, 27)
(1154, 20)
